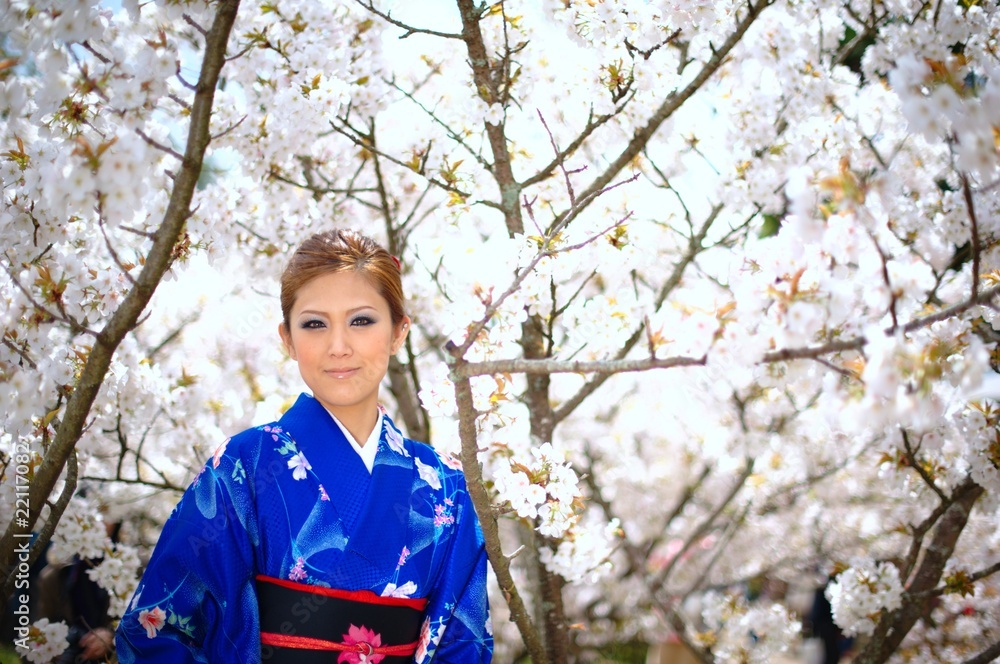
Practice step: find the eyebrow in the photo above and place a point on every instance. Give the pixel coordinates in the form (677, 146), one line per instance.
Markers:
(315, 312)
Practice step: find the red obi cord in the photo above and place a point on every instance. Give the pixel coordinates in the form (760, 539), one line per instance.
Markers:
(306, 643)
(363, 596)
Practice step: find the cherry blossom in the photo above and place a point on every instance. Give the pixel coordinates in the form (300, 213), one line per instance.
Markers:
(799, 200)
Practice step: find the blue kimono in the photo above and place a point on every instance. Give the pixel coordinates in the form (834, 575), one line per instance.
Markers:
(291, 503)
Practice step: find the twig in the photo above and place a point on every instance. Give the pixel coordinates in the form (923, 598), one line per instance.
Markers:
(452, 134)
(75, 326)
(676, 99)
(194, 24)
(591, 126)
(410, 30)
(559, 159)
(228, 129)
(694, 248)
(360, 140)
(160, 146)
(885, 277)
(100, 56)
(704, 526)
(110, 247)
(21, 352)
(915, 464)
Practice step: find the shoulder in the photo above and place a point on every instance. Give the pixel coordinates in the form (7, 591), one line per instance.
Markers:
(250, 451)
(243, 445)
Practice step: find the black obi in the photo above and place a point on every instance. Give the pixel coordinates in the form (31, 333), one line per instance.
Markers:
(304, 624)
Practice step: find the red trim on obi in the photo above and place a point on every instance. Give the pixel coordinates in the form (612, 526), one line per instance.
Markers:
(366, 596)
(307, 643)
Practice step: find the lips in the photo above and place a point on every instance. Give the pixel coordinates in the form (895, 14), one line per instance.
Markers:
(340, 373)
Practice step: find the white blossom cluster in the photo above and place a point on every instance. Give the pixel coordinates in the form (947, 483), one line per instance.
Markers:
(540, 486)
(744, 632)
(48, 641)
(585, 554)
(943, 99)
(81, 532)
(117, 573)
(812, 192)
(859, 593)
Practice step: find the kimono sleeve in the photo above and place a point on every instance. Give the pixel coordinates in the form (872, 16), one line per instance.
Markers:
(196, 600)
(457, 628)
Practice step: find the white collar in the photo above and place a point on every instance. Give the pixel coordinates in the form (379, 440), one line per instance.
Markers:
(368, 451)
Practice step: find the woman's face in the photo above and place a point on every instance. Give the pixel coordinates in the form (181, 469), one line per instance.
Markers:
(341, 334)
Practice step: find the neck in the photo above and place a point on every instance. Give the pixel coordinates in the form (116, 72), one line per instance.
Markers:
(359, 421)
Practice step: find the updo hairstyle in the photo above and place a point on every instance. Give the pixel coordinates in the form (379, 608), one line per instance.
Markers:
(342, 251)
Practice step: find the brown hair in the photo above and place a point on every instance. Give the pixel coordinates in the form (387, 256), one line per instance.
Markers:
(341, 251)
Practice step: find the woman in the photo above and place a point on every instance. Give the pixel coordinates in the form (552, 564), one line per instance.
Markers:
(325, 536)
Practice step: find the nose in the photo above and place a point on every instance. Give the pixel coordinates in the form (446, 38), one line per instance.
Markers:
(339, 345)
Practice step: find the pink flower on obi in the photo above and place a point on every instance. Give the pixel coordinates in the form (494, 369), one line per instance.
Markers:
(299, 466)
(364, 635)
(153, 620)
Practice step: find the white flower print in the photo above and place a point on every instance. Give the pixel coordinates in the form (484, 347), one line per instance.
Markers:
(429, 474)
(299, 466)
(405, 590)
(395, 440)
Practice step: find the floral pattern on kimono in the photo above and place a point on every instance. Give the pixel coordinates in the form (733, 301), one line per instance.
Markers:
(292, 500)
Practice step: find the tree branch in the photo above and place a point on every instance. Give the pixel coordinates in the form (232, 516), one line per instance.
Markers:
(676, 99)
(127, 314)
(548, 366)
(986, 656)
(893, 627)
(487, 517)
(695, 247)
(703, 527)
(977, 249)
(410, 30)
(510, 190)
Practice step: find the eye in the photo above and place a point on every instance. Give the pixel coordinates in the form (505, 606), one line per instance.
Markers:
(362, 321)
(312, 324)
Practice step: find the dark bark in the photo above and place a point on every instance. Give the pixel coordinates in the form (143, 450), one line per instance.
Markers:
(488, 520)
(893, 627)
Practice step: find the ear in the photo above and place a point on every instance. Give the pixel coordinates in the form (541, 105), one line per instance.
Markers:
(286, 340)
(399, 335)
